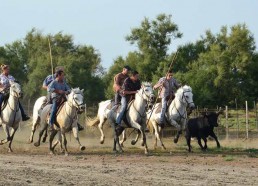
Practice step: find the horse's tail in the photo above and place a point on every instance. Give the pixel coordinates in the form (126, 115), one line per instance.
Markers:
(92, 121)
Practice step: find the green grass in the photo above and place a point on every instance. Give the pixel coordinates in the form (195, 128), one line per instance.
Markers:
(229, 158)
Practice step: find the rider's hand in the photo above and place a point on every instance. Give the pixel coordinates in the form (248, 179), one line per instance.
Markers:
(61, 92)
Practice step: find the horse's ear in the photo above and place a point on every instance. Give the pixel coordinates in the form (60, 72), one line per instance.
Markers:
(82, 90)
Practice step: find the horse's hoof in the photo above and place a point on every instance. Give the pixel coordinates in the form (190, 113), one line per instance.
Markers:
(115, 151)
(51, 152)
(122, 145)
(142, 143)
(82, 148)
(146, 152)
(36, 144)
(121, 151)
(30, 141)
(101, 142)
(66, 154)
(133, 142)
(44, 140)
(163, 147)
(10, 150)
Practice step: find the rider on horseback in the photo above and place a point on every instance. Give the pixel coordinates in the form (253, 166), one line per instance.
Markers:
(5, 80)
(118, 82)
(129, 89)
(167, 85)
(58, 88)
(47, 81)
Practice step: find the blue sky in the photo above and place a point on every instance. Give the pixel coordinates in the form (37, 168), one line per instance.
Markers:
(105, 23)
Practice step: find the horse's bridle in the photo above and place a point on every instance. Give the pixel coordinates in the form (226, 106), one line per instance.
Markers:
(148, 101)
(77, 105)
(183, 96)
(188, 103)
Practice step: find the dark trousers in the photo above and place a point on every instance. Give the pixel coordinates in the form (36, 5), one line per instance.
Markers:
(1, 101)
(20, 106)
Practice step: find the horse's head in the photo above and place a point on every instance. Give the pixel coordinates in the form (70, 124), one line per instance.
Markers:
(15, 89)
(185, 95)
(76, 99)
(147, 93)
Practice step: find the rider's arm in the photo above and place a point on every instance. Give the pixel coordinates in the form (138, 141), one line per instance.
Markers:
(161, 82)
(127, 89)
(52, 88)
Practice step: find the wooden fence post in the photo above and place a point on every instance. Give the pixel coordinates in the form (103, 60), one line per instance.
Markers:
(246, 119)
(237, 119)
(227, 122)
(255, 109)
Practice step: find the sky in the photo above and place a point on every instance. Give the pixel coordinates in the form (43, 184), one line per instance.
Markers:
(105, 23)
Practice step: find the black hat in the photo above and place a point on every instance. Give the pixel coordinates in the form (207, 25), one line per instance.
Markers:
(127, 67)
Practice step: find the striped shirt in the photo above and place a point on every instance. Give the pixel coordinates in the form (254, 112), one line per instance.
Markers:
(169, 86)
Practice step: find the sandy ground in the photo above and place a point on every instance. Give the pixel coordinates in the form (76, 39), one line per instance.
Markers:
(97, 165)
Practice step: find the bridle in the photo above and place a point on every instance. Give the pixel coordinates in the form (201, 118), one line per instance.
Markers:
(77, 107)
(184, 115)
(143, 92)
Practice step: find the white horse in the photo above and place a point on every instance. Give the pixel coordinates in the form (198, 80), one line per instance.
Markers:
(135, 115)
(67, 118)
(101, 118)
(36, 117)
(11, 114)
(176, 114)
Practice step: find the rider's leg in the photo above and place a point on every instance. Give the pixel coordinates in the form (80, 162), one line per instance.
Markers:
(117, 98)
(24, 116)
(163, 111)
(1, 101)
(53, 114)
(122, 111)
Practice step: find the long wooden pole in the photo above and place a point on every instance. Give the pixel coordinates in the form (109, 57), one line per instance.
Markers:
(50, 55)
(173, 60)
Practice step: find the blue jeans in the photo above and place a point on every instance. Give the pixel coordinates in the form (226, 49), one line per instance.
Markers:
(163, 109)
(53, 112)
(122, 110)
(117, 98)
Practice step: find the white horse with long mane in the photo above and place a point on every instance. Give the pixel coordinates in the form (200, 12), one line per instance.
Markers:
(135, 115)
(11, 114)
(176, 114)
(67, 118)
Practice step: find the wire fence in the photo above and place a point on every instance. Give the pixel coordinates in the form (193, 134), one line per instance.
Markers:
(234, 123)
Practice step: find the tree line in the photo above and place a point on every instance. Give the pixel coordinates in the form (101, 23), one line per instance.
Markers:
(218, 66)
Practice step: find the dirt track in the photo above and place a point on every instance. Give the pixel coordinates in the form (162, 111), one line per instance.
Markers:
(99, 166)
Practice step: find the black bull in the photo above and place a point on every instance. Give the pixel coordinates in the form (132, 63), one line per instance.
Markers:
(201, 128)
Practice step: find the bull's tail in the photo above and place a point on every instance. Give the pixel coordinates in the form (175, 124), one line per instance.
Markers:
(92, 121)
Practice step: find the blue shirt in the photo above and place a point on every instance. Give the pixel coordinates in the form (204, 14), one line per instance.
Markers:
(55, 85)
(48, 80)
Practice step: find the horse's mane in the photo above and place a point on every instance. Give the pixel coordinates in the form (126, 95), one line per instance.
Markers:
(183, 89)
(76, 90)
(146, 84)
